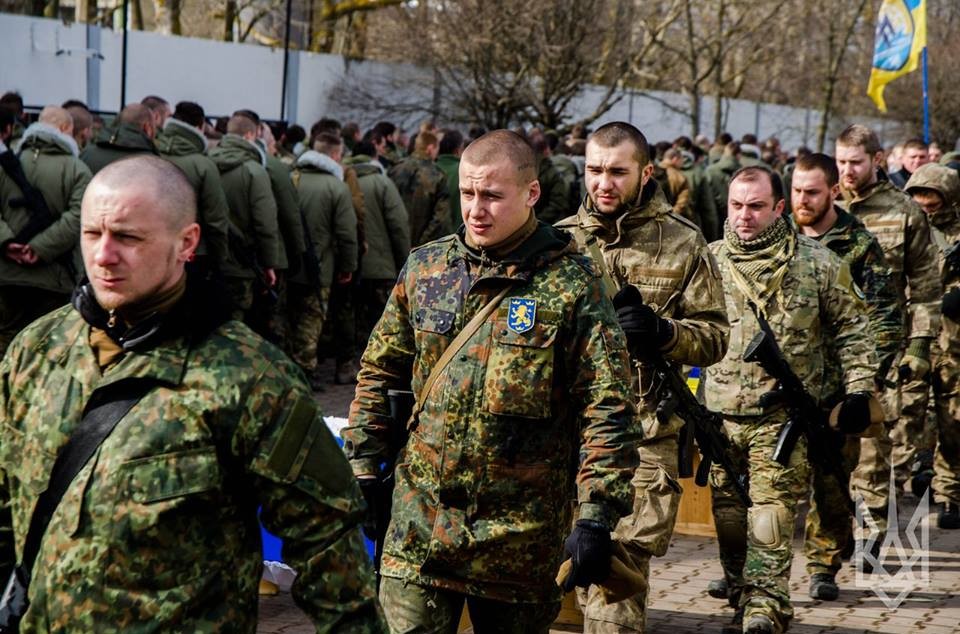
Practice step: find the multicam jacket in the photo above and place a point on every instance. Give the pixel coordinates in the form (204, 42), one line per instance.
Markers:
(158, 532)
(859, 249)
(817, 304)
(423, 188)
(904, 233)
(945, 231)
(666, 257)
(525, 410)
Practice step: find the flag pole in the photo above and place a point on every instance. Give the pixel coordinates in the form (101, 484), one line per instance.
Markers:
(926, 98)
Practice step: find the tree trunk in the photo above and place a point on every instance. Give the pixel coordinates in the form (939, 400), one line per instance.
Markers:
(137, 11)
(229, 18)
(718, 77)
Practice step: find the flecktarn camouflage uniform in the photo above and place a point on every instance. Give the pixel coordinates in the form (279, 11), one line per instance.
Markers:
(159, 530)
(808, 297)
(529, 415)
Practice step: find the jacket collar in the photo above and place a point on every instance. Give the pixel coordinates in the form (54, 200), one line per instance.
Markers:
(182, 128)
(46, 134)
(320, 161)
(650, 203)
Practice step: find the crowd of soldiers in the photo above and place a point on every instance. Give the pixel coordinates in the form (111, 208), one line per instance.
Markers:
(495, 276)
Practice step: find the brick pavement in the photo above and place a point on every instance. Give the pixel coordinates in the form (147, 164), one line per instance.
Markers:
(679, 602)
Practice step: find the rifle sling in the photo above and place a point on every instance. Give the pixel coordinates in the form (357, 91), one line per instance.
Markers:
(458, 342)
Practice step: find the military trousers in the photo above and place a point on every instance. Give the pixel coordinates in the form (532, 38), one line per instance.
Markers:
(415, 609)
(373, 298)
(914, 434)
(20, 305)
(645, 533)
(829, 523)
(339, 339)
(241, 295)
(756, 543)
(268, 315)
(307, 308)
(946, 466)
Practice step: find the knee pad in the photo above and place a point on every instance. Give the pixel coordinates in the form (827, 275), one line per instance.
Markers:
(768, 525)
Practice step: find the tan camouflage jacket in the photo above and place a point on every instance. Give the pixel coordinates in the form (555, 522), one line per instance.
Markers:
(159, 530)
(945, 230)
(667, 259)
(818, 303)
(530, 414)
(904, 233)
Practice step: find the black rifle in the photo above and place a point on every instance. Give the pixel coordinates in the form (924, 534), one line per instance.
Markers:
(701, 424)
(804, 414)
(39, 215)
(401, 408)
(246, 257)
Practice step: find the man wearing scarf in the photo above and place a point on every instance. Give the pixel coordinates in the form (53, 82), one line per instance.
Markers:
(530, 413)
(625, 224)
(159, 529)
(809, 299)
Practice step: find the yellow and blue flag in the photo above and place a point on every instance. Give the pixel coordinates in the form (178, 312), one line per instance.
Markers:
(900, 39)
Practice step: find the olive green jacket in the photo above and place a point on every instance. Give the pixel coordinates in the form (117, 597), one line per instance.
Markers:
(388, 228)
(113, 144)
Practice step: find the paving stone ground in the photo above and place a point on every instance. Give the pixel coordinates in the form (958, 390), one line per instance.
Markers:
(679, 602)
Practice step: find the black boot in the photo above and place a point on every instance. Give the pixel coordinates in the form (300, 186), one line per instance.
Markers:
(759, 624)
(823, 586)
(719, 588)
(948, 517)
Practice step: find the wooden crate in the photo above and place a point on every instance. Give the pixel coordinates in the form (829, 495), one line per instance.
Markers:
(695, 516)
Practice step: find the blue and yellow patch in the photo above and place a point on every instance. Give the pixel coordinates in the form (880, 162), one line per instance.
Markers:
(522, 314)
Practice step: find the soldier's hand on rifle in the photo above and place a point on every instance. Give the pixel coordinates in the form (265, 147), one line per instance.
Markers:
(855, 413)
(370, 487)
(915, 364)
(589, 549)
(645, 330)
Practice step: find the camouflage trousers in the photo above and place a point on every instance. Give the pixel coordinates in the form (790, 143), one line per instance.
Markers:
(373, 297)
(268, 314)
(241, 294)
(829, 522)
(339, 339)
(755, 543)
(946, 465)
(644, 534)
(914, 434)
(307, 308)
(415, 609)
(20, 305)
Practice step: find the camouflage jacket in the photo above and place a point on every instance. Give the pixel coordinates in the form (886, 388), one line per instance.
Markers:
(423, 188)
(526, 410)
(50, 163)
(554, 201)
(816, 309)
(945, 230)
(159, 530)
(904, 233)
(859, 249)
(666, 257)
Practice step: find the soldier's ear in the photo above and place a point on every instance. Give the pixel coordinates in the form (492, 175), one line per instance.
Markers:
(189, 239)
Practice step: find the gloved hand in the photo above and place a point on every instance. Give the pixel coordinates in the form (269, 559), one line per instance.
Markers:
(589, 548)
(645, 330)
(915, 364)
(951, 304)
(853, 413)
(370, 487)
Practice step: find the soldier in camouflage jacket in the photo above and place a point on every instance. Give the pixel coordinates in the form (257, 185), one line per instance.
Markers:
(639, 242)
(812, 305)
(159, 530)
(530, 413)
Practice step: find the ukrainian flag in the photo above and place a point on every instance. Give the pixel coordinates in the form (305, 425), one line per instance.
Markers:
(900, 40)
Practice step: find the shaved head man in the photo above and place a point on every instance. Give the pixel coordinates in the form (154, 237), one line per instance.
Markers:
(133, 133)
(137, 230)
(57, 117)
(194, 414)
(498, 186)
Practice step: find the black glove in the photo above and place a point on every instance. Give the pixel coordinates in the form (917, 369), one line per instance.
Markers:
(645, 330)
(854, 414)
(589, 549)
(370, 487)
(951, 304)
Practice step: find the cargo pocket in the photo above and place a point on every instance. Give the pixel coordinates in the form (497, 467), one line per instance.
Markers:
(519, 376)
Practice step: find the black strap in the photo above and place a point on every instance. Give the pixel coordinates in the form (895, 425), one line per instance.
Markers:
(103, 412)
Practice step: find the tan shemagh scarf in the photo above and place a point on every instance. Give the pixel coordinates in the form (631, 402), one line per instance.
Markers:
(758, 266)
